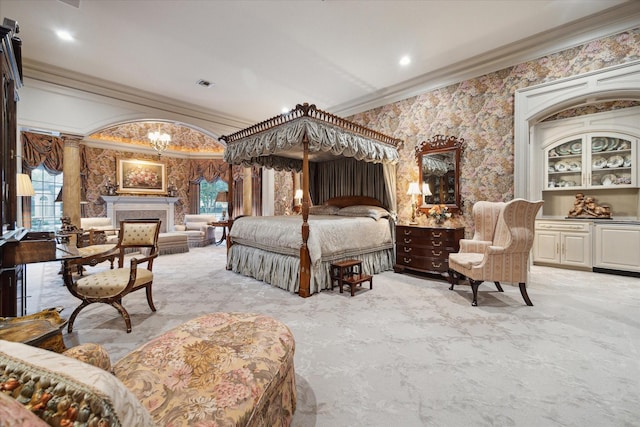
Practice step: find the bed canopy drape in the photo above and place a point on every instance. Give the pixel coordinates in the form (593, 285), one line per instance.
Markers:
(306, 134)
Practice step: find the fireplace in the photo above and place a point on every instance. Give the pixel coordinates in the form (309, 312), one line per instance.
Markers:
(142, 207)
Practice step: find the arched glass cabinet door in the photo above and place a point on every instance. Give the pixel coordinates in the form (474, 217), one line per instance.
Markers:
(439, 163)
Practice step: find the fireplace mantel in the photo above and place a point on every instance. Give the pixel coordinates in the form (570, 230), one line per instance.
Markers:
(119, 206)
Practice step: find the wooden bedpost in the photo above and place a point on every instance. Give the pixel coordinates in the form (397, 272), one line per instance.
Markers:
(305, 260)
(229, 210)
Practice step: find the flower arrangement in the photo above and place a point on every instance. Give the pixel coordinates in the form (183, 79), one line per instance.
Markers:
(440, 213)
(142, 177)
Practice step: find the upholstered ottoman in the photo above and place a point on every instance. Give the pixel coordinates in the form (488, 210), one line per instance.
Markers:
(221, 369)
(217, 369)
(172, 243)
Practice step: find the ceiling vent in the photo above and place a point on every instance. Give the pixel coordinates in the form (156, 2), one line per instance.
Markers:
(205, 83)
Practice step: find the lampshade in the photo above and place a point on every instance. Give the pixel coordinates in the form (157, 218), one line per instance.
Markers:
(414, 189)
(426, 190)
(24, 186)
(83, 196)
(222, 196)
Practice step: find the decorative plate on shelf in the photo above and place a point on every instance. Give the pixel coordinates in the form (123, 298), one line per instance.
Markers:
(613, 144)
(598, 144)
(561, 166)
(599, 162)
(608, 179)
(624, 145)
(615, 161)
(627, 161)
(624, 178)
(563, 150)
(575, 165)
(576, 147)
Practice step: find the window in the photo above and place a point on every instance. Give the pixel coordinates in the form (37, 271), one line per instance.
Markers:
(208, 193)
(45, 212)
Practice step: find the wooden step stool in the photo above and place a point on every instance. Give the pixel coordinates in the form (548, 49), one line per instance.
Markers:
(349, 272)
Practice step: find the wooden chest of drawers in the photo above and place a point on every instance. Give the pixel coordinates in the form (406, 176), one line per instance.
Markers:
(425, 249)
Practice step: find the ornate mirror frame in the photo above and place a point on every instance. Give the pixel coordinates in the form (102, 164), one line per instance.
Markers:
(439, 164)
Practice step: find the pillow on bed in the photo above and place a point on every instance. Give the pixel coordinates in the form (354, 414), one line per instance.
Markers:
(323, 210)
(374, 212)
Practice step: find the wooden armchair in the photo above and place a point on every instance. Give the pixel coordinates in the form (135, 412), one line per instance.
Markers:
(504, 256)
(110, 286)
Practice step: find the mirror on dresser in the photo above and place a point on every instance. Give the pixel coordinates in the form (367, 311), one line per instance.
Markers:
(439, 163)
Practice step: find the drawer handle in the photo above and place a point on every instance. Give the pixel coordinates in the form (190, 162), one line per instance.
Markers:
(407, 249)
(406, 260)
(407, 232)
(436, 244)
(437, 235)
(407, 241)
(438, 265)
(436, 254)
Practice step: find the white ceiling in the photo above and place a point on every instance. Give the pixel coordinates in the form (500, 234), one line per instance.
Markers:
(265, 55)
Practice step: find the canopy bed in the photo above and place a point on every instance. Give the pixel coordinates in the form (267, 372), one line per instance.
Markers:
(298, 258)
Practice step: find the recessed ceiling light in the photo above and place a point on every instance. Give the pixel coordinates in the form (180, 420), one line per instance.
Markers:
(64, 35)
(285, 110)
(205, 83)
(405, 60)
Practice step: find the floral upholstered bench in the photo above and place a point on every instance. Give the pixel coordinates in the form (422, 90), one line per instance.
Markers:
(217, 369)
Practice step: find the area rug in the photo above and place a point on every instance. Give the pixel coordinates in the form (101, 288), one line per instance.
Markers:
(409, 352)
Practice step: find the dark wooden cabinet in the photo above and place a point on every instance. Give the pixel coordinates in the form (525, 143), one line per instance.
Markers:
(12, 300)
(426, 249)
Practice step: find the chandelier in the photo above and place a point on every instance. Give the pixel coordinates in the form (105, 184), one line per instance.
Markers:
(159, 141)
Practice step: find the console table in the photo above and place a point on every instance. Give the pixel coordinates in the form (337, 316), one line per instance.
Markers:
(426, 249)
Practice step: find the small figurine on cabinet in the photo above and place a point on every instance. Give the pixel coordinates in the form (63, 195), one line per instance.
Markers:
(586, 207)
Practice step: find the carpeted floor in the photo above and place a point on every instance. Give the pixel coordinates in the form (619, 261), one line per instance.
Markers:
(410, 352)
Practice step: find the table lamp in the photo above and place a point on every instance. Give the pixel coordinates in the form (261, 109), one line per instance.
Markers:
(414, 190)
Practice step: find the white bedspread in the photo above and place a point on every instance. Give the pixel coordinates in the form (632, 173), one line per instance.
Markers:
(330, 236)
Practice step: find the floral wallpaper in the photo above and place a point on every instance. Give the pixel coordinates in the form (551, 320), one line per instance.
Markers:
(103, 167)
(480, 110)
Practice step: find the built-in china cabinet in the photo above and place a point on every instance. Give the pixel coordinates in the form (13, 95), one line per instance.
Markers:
(595, 155)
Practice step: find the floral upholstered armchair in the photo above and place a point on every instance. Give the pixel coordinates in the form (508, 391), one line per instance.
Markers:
(499, 251)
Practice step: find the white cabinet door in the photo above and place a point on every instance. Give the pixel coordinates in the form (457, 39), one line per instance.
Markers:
(563, 243)
(575, 249)
(546, 247)
(617, 247)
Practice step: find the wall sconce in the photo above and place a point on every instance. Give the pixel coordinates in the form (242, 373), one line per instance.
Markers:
(414, 190)
(426, 192)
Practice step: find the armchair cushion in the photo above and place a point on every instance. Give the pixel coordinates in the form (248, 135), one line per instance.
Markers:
(61, 390)
(110, 282)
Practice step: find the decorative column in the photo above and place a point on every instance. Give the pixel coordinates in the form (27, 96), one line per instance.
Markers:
(247, 203)
(71, 171)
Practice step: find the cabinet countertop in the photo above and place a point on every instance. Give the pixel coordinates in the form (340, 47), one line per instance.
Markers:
(594, 220)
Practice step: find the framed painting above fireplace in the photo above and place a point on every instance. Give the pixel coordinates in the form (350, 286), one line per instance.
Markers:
(141, 177)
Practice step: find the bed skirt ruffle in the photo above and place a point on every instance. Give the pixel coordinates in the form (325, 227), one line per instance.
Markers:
(283, 271)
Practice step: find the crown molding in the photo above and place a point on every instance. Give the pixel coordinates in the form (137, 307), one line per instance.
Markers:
(612, 21)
